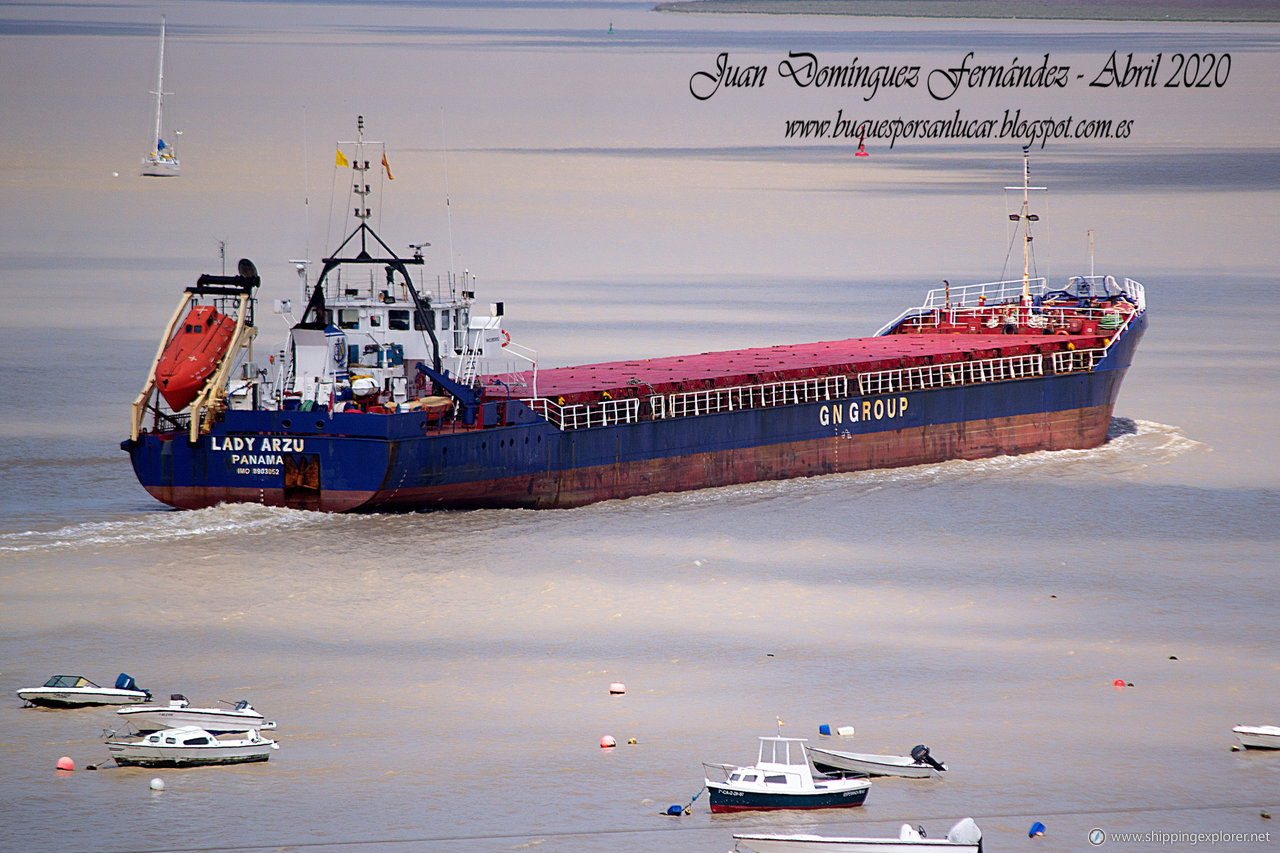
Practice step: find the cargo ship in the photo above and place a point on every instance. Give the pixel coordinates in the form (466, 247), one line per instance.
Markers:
(392, 393)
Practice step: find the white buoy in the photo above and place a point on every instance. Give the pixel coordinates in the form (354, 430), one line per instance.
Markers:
(607, 742)
(157, 784)
(617, 688)
(845, 731)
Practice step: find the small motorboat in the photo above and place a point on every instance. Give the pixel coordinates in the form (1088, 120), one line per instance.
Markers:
(781, 778)
(1258, 737)
(964, 836)
(237, 718)
(918, 764)
(76, 691)
(190, 746)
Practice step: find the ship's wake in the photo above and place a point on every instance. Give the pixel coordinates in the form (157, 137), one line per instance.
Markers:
(162, 526)
(1131, 446)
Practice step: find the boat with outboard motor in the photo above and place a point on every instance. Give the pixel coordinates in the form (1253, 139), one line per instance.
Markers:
(238, 717)
(781, 778)
(190, 746)
(391, 395)
(964, 837)
(1258, 737)
(918, 764)
(76, 691)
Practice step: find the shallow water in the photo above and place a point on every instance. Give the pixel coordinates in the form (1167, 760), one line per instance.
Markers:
(441, 679)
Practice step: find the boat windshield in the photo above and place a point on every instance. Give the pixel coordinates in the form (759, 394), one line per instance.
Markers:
(69, 681)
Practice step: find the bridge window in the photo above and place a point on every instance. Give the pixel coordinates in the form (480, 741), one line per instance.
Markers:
(398, 320)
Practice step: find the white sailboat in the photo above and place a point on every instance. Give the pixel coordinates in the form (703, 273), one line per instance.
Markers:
(162, 162)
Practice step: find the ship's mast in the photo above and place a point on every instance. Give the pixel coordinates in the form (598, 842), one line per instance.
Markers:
(1026, 217)
(361, 188)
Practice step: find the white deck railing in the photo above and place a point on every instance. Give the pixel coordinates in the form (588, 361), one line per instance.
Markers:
(954, 373)
(962, 299)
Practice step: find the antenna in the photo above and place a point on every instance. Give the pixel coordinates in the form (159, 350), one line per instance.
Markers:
(448, 212)
(1091, 253)
(306, 192)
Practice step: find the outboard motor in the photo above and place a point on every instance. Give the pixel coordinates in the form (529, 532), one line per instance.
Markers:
(966, 832)
(920, 755)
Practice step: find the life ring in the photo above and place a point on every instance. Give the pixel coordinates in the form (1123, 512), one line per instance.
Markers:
(506, 337)
(420, 382)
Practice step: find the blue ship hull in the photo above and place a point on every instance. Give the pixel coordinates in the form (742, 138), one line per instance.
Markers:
(512, 457)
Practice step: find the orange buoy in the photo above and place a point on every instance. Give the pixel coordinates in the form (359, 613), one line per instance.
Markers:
(65, 763)
(607, 742)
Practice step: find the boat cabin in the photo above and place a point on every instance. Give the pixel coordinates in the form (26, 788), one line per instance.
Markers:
(183, 736)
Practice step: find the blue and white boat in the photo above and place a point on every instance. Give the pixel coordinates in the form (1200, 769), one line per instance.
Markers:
(781, 778)
(76, 691)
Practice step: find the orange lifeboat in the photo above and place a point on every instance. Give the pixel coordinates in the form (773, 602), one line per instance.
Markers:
(193, 354)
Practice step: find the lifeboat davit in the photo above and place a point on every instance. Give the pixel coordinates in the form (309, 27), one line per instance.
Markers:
(193, 354)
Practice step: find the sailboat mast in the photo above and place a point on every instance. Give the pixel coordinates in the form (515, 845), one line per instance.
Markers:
(159, 92)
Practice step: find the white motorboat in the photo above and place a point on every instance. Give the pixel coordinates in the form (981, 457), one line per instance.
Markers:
(964, 836)
(190, 746)
(1258, 737)
(781, 778)
(918, 764)
(76, 691)
(239, 717)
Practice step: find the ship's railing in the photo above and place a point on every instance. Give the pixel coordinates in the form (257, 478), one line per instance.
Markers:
(750, 397)
(582, 415)
(1136, 292)
(973, 297)
(826, 388)
(956, 373)
(1071, 361)
(987, 293)
(995, 317)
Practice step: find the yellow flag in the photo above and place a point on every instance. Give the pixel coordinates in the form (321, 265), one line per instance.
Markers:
(342, 159)
(387, 167)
